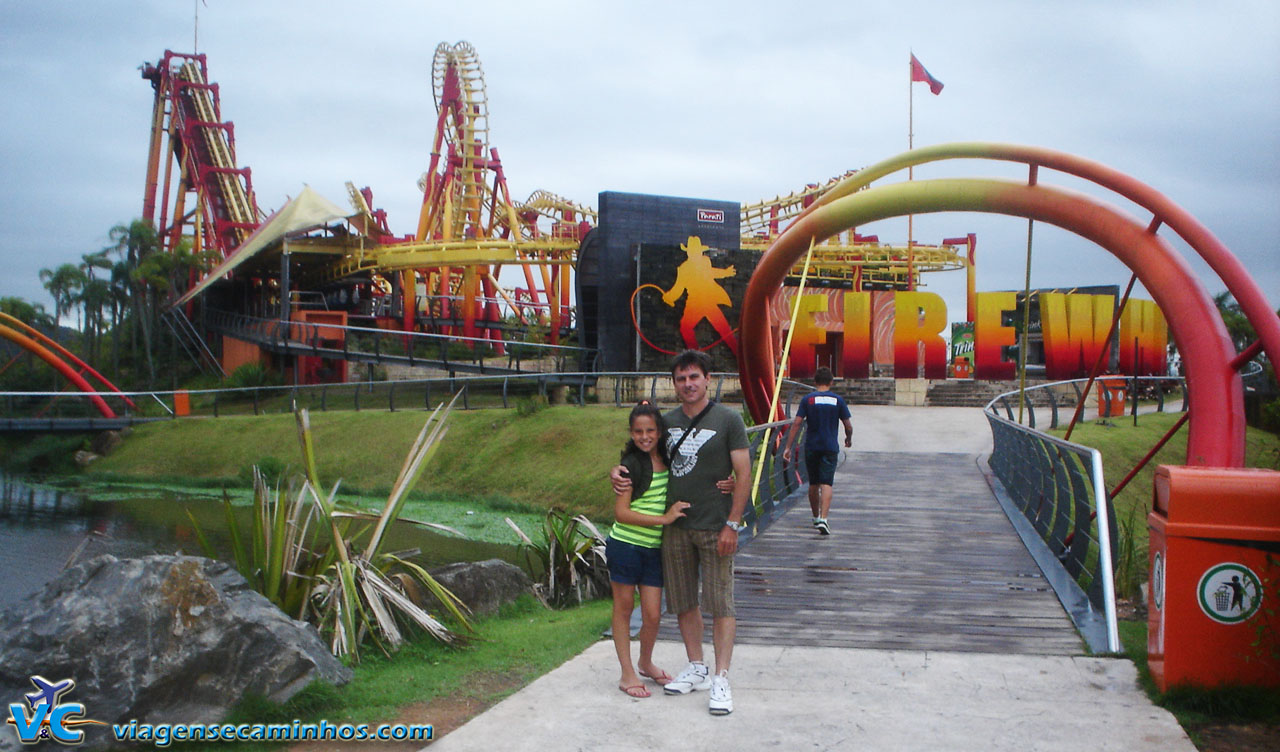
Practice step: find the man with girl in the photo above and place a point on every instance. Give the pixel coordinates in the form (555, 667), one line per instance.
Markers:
(679, 520)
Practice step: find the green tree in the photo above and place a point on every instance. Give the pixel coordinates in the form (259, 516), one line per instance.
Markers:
(14, 374)
(1239, 329)
(64, 284)
(137, 242)
(94, 297)
(32, 314)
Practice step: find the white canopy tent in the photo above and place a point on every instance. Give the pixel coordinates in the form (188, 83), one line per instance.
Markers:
(308, 210)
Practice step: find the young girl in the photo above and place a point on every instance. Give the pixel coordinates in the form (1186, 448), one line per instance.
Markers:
(634, 546)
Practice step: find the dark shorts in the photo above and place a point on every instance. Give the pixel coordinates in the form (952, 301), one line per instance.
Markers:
(630, 564)
(822, 467)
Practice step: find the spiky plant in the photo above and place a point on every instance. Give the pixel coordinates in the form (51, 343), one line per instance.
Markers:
(360, 593)
(571, 556)
(302, 555)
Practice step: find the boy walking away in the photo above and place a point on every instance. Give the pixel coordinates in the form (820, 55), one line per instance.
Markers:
(822, 409)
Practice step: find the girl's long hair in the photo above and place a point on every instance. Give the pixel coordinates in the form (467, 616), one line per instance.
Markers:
(645, 407)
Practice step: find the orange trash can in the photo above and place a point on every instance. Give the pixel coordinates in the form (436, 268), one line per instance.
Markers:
(181, 404)
(1116, 388)
(1214, 561)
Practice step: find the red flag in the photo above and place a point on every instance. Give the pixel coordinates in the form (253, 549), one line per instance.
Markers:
(918, 73)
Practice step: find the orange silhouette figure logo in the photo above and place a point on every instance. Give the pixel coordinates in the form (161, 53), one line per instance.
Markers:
(697, 277)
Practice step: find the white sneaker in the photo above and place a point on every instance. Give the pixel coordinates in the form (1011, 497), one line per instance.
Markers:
(695, 676)
(721, 702)
(822, 526)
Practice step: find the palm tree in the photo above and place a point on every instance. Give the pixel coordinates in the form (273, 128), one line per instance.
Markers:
(95, 295)
(137, 242)
(64, 284)
(29, 313)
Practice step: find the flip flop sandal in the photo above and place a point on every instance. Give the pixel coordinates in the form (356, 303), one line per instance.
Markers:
(663, 678)
(635, 691)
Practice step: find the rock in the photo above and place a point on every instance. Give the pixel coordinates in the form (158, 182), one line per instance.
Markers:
(484, 585)
(157, 639)
(106, 442)
(84, 458)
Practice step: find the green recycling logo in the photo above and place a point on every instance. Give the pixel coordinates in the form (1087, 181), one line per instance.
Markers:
(1157, 581)
(1229, 593)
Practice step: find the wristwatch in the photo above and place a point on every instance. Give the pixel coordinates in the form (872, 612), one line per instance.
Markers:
(736, 527)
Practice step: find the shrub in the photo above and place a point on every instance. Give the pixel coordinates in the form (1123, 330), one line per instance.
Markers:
(251, 375)
(526, 406)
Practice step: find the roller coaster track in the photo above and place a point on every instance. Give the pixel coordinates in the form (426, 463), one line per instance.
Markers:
(468, 227)
(188, 112)
(849, 257)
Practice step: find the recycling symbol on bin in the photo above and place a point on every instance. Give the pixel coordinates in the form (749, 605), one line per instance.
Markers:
(1229, 593)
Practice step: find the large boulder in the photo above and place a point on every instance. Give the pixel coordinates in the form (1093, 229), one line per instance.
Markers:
(484, 585)
(158, 639)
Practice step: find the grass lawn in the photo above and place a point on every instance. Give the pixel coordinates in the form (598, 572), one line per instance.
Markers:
(558, 456)
(1228, 718)
(1122, 446)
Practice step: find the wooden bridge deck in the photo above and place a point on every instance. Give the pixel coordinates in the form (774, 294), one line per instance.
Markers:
(921, 557)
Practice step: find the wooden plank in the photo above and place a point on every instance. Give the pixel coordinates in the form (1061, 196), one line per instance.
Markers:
(920, 558)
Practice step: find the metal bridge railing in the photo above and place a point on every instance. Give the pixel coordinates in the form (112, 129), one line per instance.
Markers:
(781, 481)
(1053, 492)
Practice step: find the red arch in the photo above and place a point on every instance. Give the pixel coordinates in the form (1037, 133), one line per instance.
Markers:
(66, 355)
(1217, 423)
(60, 365)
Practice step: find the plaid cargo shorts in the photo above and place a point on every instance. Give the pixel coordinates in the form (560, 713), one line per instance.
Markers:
(689, 556)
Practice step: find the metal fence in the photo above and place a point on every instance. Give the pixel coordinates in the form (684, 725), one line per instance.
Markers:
(384, 346)
(779, 482)
(1059, 398)
(1052, 491)
(480, 391)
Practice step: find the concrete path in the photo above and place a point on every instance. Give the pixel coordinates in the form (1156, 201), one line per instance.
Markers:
(921, 697)
(790, 698)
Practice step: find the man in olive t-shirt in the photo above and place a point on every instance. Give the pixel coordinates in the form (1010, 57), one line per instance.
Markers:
(702, 460)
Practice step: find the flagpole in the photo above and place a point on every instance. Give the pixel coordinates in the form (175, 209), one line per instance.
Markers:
(910, 135)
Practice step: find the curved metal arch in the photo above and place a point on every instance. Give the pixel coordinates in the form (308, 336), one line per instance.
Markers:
(1253, 303)
(1216, 433)
(25, 342)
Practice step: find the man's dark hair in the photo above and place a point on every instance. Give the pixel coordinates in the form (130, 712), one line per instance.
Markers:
(692, 358)
(823, 376)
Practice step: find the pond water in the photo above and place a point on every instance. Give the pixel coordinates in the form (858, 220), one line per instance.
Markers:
(43, 529)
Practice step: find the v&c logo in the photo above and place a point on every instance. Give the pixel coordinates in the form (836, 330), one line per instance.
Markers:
(49, 718)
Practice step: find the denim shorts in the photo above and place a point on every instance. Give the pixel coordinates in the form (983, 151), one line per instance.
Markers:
(822, 467)
(630, 564)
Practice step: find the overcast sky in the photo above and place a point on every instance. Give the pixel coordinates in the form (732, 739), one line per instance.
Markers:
(734, 100)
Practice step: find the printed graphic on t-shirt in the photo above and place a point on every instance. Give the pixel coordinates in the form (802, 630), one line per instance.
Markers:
(683, 464)
(824, 400)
